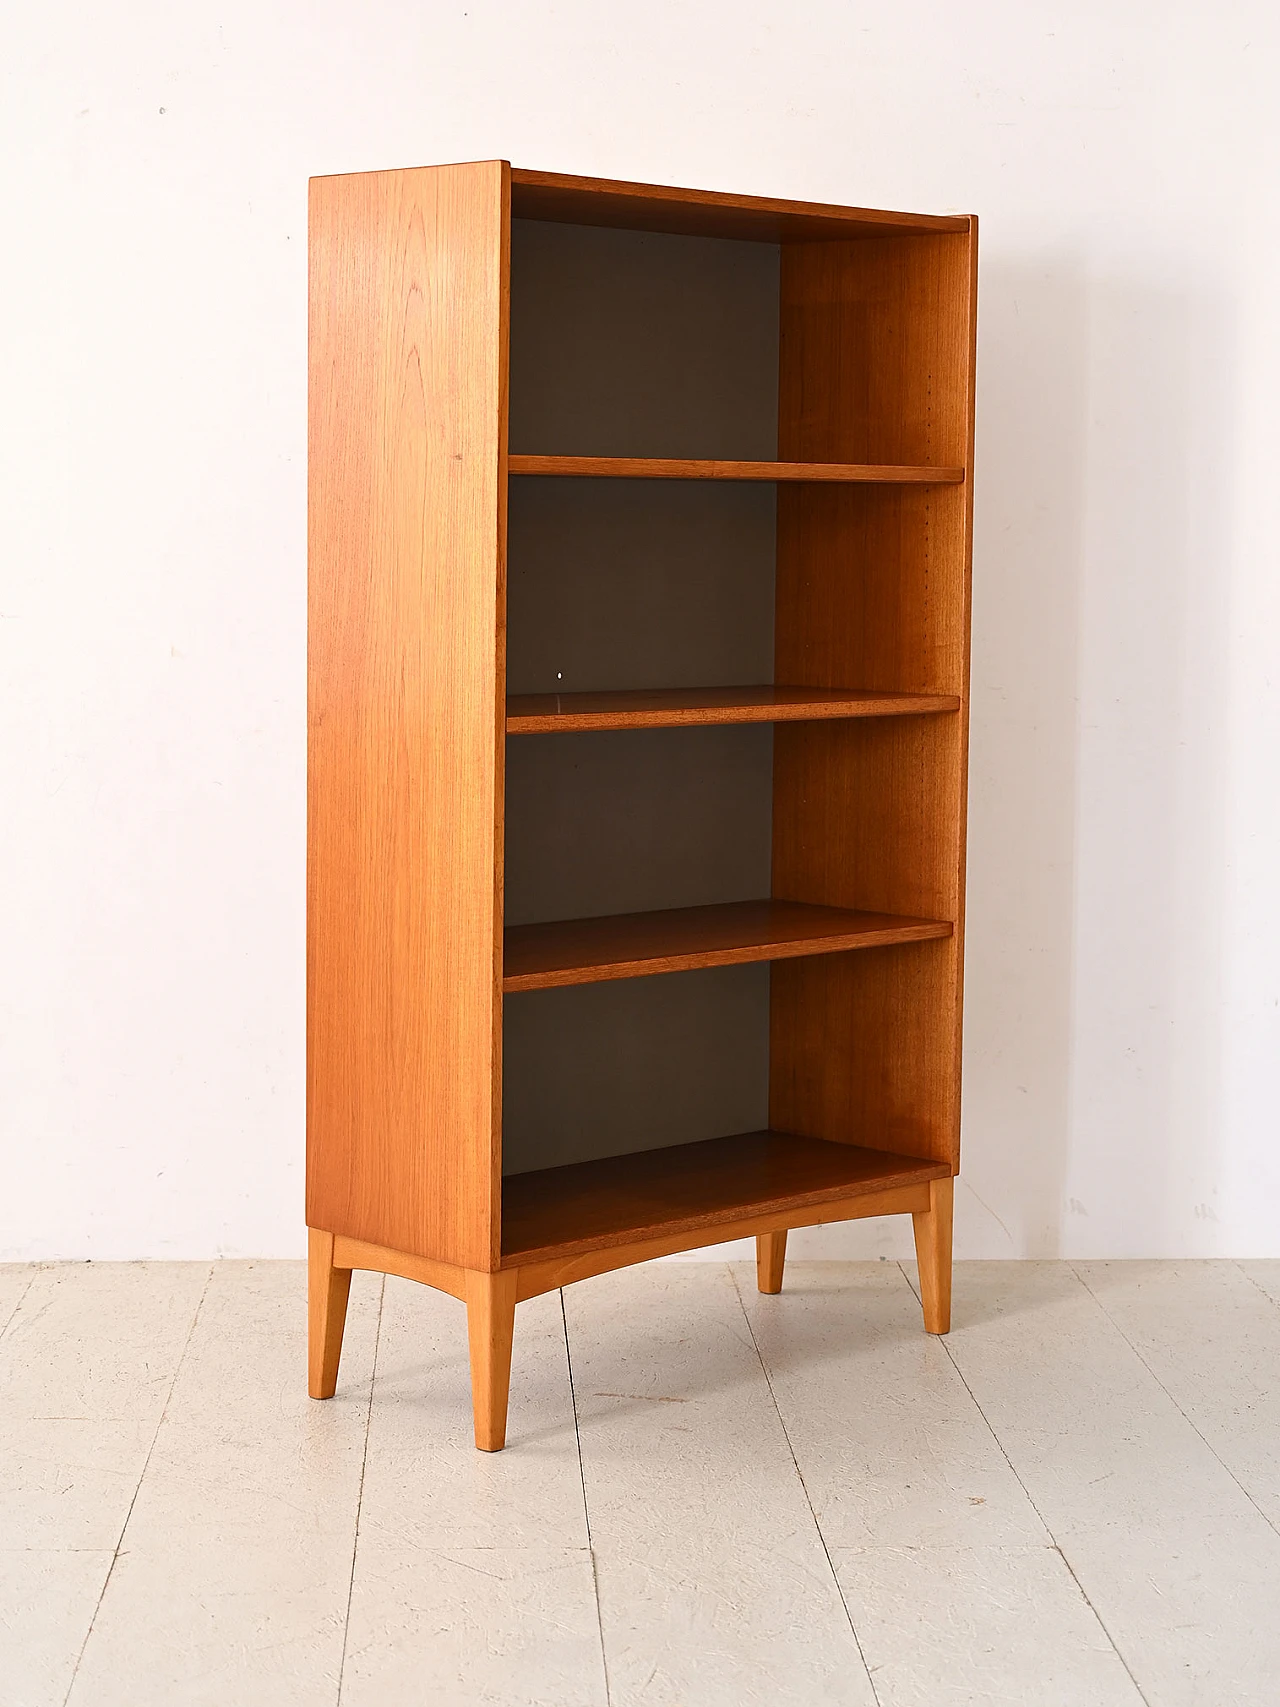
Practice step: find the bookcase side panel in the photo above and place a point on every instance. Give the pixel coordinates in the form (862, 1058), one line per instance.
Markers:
(873, 588)
(876, 343)
(406, 577)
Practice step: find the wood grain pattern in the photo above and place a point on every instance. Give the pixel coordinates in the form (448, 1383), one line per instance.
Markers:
(873, 585)
(874, 351)
(407, 492)
(680, 939)
(706, 213)
(328, 1289)
(688, 1187)
(443, 1276)
(869, 588)
(673, 708)
(771, 1257)
(687, 468)
(549, 1273)
(932, 1229)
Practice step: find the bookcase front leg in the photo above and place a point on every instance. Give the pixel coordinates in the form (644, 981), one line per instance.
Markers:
(933, 1254)
(491, 1315)
(771, 1254)
(328, 1289)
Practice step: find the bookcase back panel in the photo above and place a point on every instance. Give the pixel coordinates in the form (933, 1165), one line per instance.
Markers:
(623, 823)
(639, 584)
(634, 343)
(607, 1069)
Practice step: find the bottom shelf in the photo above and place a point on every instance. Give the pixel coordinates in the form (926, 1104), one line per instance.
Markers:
(589, 1206)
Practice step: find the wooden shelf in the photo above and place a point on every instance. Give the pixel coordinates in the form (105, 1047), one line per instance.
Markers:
(624, 1199)
(682, 939)
(676, 468)
(675, 708)
(708, 213)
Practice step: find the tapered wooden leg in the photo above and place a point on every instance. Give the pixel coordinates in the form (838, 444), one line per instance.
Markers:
(491, 1316)
(771, 1253)
(327, 1291)
(933, 1253)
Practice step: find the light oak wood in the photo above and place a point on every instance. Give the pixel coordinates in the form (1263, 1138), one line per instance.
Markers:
(491, 1315)
(549, 1273)
(932, 1227)
(675, 708)
(681, 939)
(706, 213)
(684, 468)
(328, 1288)
(771, 1255)
(686, 1188)
(407, 505)
(443, 1276)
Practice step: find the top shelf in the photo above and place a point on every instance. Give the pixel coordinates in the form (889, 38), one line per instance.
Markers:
(561, 198)
(677, 468)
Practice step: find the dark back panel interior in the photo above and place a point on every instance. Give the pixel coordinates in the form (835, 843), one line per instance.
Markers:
(630, 822)
(634, 343)
(631, 343)
(639, 584)
(604, 1069)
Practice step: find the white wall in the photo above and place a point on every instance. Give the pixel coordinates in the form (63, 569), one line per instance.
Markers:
(1123, 1025)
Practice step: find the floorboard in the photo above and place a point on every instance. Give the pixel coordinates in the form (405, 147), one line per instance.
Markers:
(708, 1497)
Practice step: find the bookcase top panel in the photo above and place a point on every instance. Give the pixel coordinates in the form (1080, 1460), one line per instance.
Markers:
(564, 199)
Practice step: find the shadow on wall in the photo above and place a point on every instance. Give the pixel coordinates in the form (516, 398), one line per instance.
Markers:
(1096, 776)
(1029, 500)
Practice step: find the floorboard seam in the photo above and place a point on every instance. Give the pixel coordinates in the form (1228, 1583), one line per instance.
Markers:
(1274, 1302)
(826, 1551)
(364, 1459)
(1191, 1424)
(1053, 1539)
(142, 1476)
(12, 1317)
(586, 1509)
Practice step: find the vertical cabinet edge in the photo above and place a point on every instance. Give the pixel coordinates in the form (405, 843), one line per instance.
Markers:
(406, 521)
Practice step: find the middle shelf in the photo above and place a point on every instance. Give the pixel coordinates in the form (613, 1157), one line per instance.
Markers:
(702, 468)
(682, 939)
(671, 708)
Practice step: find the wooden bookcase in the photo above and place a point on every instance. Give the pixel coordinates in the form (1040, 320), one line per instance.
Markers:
(639, 610)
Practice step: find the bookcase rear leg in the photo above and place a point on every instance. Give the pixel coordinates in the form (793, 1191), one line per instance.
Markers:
(327, 1291)
(771, 1254)
(933, 1254)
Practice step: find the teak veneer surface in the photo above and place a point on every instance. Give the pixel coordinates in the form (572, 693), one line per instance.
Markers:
(569, 200)
(406, 539)
(876, 363)
(693, 468)
(680, 939)
(672, 708)
(626, 1199)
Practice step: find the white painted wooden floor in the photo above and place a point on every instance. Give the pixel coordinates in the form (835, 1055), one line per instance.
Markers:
(710, 1498)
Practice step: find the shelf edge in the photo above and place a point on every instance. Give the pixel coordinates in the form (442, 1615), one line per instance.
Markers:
(590, 722)
(543, 1267)
(796, 948)
(681, 468)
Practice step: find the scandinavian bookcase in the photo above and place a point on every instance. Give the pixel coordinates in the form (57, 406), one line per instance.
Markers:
(639, 610)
